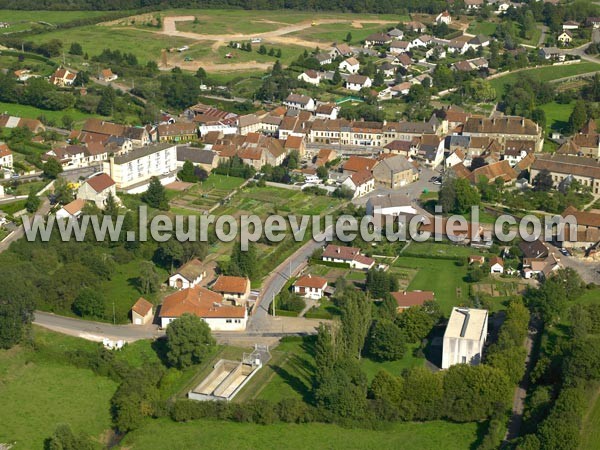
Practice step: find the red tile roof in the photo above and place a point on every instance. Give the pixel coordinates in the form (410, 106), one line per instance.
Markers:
(100, 182)
(142, 306)
(358, 163)
(235, 285)
(407, 299)
(310, 281)
(200, 302)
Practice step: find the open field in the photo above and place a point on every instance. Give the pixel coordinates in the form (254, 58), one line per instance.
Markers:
(590, 436)
(32, 112)
(205, 195)
(160, 434)
(486, 28)
(557, 116)
(24, 20)
(145, 45)
(547, 73)
(39, 393)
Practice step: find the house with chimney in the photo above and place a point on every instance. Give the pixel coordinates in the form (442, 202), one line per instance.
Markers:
(310, 286)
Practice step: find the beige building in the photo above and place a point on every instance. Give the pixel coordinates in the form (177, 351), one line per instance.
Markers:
(236, 289)
(97, 189)
(561, 167)
(395, 172)
(514, 128)
(142, 312)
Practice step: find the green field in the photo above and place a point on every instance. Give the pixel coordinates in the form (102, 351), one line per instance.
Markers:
(546, 73)
(557, 116)
(32, 112)
(590, 435)
(443, 277)
(23, 20)
(203, 196)
(38, 393)
(161, 434)
(336, 32)
(486, 28)
(442, 249)
(145, 45)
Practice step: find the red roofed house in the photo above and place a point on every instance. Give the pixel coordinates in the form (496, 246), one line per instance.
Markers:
(188, 275)
(97, 188)
(71, 210)
(141, 312)
(310, 286)
(107, 75)
(361, 183)
(348, 255)
(236, 289)
(407, 299)
(63, 77)
(357, 164)
(205, 304)
(6, 156)
(496, 265)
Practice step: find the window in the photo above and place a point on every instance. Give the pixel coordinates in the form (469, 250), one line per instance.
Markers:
(227, 320)
(464, 360)
(238, 321)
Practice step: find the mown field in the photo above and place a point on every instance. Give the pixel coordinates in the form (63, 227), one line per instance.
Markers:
(557, 116)
(32, 112)
(161, 434)
(23, 20)
(546, 73)
(38, 393)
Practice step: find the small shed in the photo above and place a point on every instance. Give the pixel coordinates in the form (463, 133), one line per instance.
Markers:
(142, 312)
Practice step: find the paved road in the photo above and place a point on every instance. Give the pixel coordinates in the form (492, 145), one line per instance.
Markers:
(20, 232)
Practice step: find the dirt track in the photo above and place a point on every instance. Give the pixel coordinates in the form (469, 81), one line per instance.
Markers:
(279, 36)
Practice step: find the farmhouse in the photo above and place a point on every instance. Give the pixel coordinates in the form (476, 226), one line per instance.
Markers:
(142, 312)
(107, 75)
(310, 286)
(347, 255)
(205, 304)
(408, 299)
(97, 188)
(34, 125)
(188, 275)
(464, 337)
(236, 289)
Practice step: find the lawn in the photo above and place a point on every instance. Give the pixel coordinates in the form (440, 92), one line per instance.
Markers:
(32, 112)
(546, 73)
(160, 434)
(204, 195)
(371, 367)
(482, 27)
(13, 207)
(22, 20)
(443, 277)
(38, 393)
(590, 436)
(442, 249)
(25, 188)
(557, 116)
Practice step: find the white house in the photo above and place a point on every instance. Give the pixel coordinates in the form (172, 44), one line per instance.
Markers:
(473, 4)
(205, 304)
(422, 41)
(6, 156)
(464, 337)
(298, 101)
(496, 265)
(356, 82)
(361, 183)
(350, 65)
(310, 286)
(565, 37)
(443, 17)
(347, 255)
(502, 6)
(97, 188)
(107, 76)
(570, 25)
(397, 47)
(71, 210)
(188, 275)
(310, 76)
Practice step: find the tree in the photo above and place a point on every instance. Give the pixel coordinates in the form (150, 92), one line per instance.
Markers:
(422, 395)
(578, 117)
(33, 202)
(111, 207)
(149, 281)
(67, 121)
(156, 196)
(169, 254)
(356, 320)
(325, 352)
(447, 196)
(107, 102)
(417, 321)
(466, 196)
(473, 393)
(378, 80)
(481, 90)
(542, 182)
(76, 49)
(323, 173)
(337, 77)
(201, 74)
(52, 168)
(343, 390)
(89, 303)
(188, 341)
(380, 283)
(386, 341)
(63, 438)
(187, 173)
(243, 263)
(17, 302)
(262, 50)
(348, 37)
